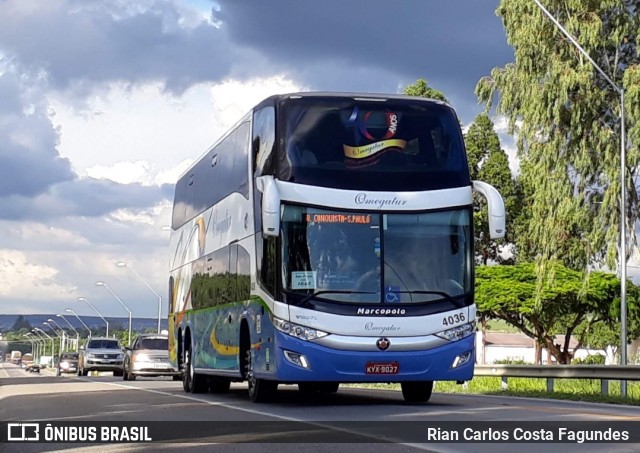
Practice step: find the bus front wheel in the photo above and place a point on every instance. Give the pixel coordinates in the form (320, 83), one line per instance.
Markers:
(417, 392)
(260, 390)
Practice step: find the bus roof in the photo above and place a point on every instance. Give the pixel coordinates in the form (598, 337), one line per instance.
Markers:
(345, 95)
(276, 98)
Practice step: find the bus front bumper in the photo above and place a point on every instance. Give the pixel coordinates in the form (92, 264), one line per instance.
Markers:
(299, 361)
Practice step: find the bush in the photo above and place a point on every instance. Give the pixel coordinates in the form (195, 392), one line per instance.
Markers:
(594, 359)
(511, 361)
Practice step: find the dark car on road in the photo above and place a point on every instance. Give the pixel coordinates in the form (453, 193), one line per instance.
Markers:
(101, 354)
(68, 363)
(149, 356)
(32, 368)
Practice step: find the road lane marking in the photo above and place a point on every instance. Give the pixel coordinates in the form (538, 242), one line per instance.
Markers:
(284, 417)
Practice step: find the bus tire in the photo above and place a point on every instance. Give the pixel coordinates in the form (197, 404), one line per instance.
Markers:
(192, 381)
(417, 391)
(260, 390)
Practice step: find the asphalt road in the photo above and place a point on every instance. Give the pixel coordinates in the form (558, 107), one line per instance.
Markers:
(355, 419)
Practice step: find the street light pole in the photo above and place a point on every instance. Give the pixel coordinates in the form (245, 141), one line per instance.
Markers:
(74, 329)
(33, 345)
(64, 340)
(123, 264)
(623, 196)
(99, 314)
(53, 351)
(42, 345)
(55, 332)
(35, 349)
(69, 310)
(43, 339)
(121, 303)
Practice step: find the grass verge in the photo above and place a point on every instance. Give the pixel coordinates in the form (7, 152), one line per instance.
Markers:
(564, 389)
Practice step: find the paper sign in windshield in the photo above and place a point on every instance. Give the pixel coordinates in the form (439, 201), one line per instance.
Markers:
(303, 280)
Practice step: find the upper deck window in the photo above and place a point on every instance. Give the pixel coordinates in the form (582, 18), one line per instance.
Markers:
(388, 145)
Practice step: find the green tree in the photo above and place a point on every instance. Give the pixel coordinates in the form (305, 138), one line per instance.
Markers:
(479, 141)
(489, 163)
(123, 336)
(566, 117)
(422, 89)
(568, 307)
(604, 334)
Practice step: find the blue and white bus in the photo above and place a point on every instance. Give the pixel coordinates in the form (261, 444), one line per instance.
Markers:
(327, 238)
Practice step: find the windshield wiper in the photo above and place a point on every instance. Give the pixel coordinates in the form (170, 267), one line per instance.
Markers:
(456, 302)
(331, 291)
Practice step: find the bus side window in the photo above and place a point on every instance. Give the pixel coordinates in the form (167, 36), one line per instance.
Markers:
(266, 262)
(264, 136)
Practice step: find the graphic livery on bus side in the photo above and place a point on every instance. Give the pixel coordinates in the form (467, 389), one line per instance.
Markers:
(326, 239)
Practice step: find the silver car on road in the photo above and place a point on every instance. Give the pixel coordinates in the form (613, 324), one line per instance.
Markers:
(101, 354)
(149, 356)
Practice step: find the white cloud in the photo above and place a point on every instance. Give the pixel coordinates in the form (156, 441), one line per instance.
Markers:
(22, 276)
(119, 132)
(40, 235)
(123, 172)
(155, 216)
(232, 98)
(132, 124)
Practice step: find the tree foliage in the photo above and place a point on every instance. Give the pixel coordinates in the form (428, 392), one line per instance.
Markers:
(489, 163)
(567, 307)
(566, 116)
(604, 334)
(422, 89)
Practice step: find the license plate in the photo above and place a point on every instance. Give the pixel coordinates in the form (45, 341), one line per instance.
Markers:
(159, 366)
(382, 368)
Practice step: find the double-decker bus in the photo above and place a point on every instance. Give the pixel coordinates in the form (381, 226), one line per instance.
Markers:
(327, 238)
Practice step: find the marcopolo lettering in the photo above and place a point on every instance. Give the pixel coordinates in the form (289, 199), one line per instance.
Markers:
(380, 311)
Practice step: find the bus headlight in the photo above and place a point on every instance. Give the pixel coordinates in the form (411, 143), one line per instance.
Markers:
(297, 331)
(458, 333)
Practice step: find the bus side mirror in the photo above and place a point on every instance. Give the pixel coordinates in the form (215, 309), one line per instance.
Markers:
(270, 205)
(495, 206)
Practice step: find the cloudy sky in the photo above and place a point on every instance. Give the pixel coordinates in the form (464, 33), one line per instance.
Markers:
(104, 103)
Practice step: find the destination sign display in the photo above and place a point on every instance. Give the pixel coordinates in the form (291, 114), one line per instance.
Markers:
(364, 219)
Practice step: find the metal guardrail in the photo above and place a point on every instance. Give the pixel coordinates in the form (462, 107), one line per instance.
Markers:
(604, 373)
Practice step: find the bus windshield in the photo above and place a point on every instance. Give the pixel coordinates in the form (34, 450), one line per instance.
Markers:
(376, 258)
(391, 145)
